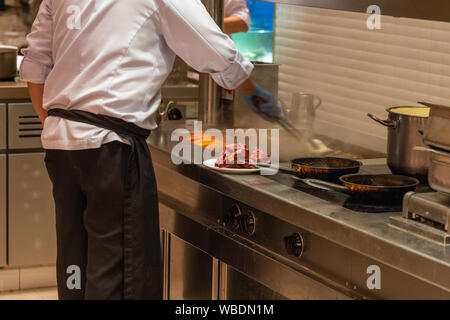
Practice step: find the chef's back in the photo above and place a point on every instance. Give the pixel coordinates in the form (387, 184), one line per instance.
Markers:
(112, 57)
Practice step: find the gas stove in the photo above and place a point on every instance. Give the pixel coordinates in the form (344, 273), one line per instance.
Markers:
(426, 215)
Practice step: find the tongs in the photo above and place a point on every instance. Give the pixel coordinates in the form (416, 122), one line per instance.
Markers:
(281, 120)
(287, 125)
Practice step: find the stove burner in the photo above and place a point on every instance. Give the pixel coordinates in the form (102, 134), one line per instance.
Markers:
(372, 208)
(383, 205)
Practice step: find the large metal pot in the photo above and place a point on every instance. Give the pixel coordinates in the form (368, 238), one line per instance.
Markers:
(437, 131)
(8, 62)
(439, 173)
(403, 136)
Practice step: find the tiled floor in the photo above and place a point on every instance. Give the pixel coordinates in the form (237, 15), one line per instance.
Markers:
(31, 294)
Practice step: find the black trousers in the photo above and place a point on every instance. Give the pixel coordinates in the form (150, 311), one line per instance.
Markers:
(89, 189)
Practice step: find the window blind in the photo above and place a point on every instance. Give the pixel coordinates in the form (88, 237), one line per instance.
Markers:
(356, 70)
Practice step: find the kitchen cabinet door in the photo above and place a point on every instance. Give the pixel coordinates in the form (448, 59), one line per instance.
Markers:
(31, 214)
(190, 275)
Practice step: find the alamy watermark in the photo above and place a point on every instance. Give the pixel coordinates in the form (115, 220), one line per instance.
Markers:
(73, 281)
(374, 20)
(186, 152)
(374, 280)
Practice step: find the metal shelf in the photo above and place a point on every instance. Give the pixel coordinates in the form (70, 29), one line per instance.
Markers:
(437, 10)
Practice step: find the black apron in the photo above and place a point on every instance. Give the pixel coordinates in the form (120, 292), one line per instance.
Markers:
(142, 272)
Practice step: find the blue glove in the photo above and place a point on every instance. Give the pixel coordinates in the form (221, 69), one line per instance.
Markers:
(263, 103)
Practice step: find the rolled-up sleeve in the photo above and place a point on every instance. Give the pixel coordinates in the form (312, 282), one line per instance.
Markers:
(192, 34)
(238, 8)
(38, 61)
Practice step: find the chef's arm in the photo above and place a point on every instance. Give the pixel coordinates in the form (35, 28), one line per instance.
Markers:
(234, 24)
(192, 34)
(36, 91)
(247, 87)
(38, 60)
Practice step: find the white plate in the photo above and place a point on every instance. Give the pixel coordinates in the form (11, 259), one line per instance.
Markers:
(211, 164)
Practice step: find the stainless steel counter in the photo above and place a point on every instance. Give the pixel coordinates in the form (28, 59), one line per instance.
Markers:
(365, 233)
(17, 90)
(10, 90)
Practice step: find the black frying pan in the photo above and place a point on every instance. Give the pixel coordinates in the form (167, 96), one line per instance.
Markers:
(329, 168)
(370, 187)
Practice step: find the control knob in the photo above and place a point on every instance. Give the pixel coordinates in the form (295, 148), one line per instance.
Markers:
(232, 216)
(294, 245)
(247, 222)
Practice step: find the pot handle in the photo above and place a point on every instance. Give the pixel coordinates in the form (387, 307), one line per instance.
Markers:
(319, 103)
(418, 148)
(324, 185)
(386, 123)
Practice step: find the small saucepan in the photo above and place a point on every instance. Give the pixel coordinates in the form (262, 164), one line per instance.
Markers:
(8, 62)
(370, 187)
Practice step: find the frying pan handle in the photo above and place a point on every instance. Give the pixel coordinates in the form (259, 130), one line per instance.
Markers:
(386, 123)
(324, 185)
(280, 168)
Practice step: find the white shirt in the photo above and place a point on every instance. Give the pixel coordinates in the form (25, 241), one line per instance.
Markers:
(111, 57)
(237, 8)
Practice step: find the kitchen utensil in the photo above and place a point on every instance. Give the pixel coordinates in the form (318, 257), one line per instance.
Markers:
(282, 121)
(370, 188)
(8, 62)
(403, 136)
(329, 168)
(211, 164)
(302, 112)
(439, 173)
(437, 131)
(162, 115)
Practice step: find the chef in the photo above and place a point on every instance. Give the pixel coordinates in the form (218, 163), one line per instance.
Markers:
(94, 71)
(237, 16)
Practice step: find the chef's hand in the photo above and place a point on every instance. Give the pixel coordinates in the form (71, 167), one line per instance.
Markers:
(263, 103)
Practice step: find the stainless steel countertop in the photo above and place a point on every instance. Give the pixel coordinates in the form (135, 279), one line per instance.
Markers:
(17, 90)
(11, 90)
(366, 233)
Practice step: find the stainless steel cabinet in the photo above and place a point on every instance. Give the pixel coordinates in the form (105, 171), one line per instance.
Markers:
(24, 127)
(3, 242)
(190, 272)
(31, 223)
(2, 127)
(3, 187)
(237, 286)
